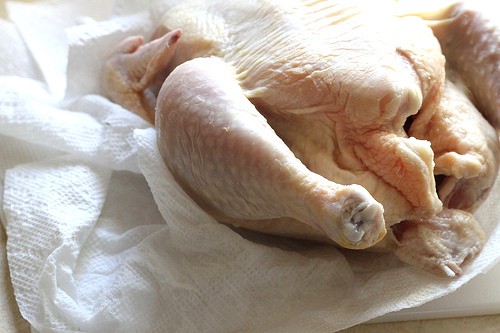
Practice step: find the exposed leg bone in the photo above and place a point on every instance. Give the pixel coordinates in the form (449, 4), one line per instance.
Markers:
(225, 154)
(131, 69)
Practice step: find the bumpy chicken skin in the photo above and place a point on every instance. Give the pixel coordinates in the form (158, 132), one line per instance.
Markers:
(465, 146)
(293, 118)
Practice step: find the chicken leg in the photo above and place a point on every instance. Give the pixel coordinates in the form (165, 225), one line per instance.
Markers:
(225, 154)
(441, 244)
(470, 40)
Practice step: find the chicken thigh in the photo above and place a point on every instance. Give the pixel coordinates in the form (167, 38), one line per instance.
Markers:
(324, 120)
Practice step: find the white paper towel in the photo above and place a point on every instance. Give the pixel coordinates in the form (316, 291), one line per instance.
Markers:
(101, 238)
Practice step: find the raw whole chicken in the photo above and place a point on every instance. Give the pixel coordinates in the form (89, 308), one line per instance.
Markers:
(345, 121)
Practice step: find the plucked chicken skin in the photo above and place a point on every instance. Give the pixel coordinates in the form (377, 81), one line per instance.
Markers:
(328, 120)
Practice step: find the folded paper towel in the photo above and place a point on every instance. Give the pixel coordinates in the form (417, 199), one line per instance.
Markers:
(102, 239)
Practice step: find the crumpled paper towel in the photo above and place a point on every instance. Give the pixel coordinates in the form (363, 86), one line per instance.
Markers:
(102, 239)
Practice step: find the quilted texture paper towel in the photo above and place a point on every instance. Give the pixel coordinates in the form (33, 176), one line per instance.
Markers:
(102, 239)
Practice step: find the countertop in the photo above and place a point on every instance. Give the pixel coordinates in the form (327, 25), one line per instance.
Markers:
(483, 324)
